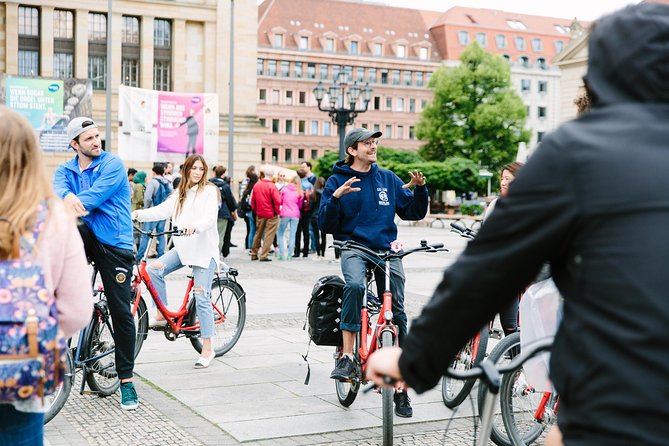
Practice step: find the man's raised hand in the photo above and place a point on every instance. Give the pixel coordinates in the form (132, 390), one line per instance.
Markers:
(346, 187)
(417, 179)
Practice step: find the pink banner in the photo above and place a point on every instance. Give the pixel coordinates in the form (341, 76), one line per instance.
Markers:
(180, 123)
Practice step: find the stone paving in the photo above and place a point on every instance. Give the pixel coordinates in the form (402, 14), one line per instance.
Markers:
(255, 394)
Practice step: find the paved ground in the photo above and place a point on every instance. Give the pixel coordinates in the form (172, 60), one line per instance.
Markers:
(256, 394)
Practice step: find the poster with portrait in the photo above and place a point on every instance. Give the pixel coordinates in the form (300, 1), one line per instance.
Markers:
(48, 104)
(167, 126)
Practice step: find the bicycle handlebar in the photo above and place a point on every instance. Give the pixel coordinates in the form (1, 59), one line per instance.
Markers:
(355, 246)
(464, 231)
(174, 231)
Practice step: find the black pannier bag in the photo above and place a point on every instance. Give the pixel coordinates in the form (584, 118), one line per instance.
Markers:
(324, 311)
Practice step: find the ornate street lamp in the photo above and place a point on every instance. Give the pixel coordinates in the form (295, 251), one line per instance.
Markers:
(340, 114)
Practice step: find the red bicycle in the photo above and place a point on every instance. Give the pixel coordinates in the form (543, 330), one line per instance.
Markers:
(228, 300)
(372, 337)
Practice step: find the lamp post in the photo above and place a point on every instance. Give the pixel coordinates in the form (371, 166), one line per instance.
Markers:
(340, 114)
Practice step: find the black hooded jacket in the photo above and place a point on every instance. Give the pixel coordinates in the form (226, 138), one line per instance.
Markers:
(594, 202)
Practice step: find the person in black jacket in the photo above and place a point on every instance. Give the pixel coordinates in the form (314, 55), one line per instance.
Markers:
(593, 201)
(226, 211)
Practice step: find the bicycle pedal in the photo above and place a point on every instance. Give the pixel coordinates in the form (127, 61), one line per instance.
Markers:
(496, 333)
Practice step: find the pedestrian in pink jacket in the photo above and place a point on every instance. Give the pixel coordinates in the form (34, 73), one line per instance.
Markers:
(291, 200)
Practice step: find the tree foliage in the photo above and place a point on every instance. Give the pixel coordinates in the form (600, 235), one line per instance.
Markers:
(475, 113)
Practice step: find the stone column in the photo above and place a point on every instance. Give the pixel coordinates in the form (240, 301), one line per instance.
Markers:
(81, 44)
(178, 54)
(12, 38)
(146, 52)
(46, 41)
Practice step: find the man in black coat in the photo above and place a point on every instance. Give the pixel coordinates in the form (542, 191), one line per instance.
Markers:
(226, 212)
(594, 201)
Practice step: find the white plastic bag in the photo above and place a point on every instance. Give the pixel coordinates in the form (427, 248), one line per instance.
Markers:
(538, 320)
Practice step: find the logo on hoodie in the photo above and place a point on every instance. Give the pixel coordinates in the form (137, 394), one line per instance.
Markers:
(383, 196)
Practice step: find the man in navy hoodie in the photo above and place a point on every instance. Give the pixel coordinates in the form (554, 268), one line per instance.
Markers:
(94, 186)
(359, 203)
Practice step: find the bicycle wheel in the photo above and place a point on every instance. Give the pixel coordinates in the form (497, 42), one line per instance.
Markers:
(347, 391)
(387, 394)
(141, 317)
(229, 302)
(519, 402)
(55, 402)
(101, 375)
(454, 391)
(498, 355)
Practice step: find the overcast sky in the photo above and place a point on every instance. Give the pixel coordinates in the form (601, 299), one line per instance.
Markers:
(582, 9)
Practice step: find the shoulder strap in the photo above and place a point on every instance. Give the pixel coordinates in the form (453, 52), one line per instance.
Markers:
(29, 241)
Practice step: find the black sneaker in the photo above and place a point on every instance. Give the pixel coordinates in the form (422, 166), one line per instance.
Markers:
(403, 405)
(345, 370)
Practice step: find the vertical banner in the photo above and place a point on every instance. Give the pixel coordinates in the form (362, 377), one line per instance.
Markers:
(166, 126)
(48, 104)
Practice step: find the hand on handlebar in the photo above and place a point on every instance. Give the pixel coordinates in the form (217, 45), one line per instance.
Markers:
(188, 230)
(382, 364)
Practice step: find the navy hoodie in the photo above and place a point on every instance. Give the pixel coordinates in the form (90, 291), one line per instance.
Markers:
(368, 216)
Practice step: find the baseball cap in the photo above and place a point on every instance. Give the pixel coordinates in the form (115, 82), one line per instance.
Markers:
(359, 134)
(77, 126)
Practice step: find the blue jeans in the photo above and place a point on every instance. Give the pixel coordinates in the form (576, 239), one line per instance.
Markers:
(202, 278)
(149, 226)
(353, 267)
(252, 229)
(20, 428)
(291, 224)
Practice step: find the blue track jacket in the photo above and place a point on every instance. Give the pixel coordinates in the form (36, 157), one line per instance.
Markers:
(104, 190)
(368, 216)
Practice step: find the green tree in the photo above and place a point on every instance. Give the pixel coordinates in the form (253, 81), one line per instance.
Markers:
(475, 113)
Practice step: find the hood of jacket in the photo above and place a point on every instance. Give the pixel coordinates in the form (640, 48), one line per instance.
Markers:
(628, 59)
(342, 168)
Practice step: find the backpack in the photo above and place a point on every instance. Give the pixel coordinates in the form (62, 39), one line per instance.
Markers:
(307, 206)
(32, 351)
(324, 311)
(161, 193)
(244, 205)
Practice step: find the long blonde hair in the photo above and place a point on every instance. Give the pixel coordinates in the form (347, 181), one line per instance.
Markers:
(23, 183)
(185, 184)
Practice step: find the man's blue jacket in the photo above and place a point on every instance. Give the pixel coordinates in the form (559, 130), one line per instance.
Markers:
(104, 190)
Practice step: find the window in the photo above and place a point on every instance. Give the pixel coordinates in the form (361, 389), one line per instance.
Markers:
(348, 72)
(285, 68)
(275, 154)
(463, 37)
(541, 63)
(29, 45)
(300, 129)
(360, 74)
(389, 103)
(130, 51)
(376, 127)
(324, 71)
(263, 122)
(541, 112)
(271, 67)
(372, 75)
(329, 45)
(326, 128)
(278, 40)
(378, 49)
(377, 103)
(289, 97)
(260, 67)
(516, 24)
(314, 127)
(162, 55)
(562, 29)
(63, 44)
(422, 53)
(540, 136)
(276, 97)
(300, 154)
(399, 105)
(97, 71)
(412, 132)
(275, 126)
(412, 105)
(559, 46)
(419, 79)
(537, 45)
(289, 155)
(263, 154)
(407, 77)
(500, 40)
(354, 47)
(384, 76)
(335, 71)
(400, 132)
(507, 57)
(482, 39)
(389, 131)
(543, 86)
(396, 77)
(302, 98)
(262, 95)
(525, 85)
(298, 70)
(311, 71)
(401, 51)
(524, 61)
(423, 104)
(314, 154)
(365, 125)
(97, 50)
(520, 43)
(304, 43)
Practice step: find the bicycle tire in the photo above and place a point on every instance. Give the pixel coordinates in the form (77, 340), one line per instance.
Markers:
(101, 376)
(229, 299)
(498, 434)
(454, 391)
(141, 318)
(387, 395)
(518, 403)
(347, 391)
(57, 400)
